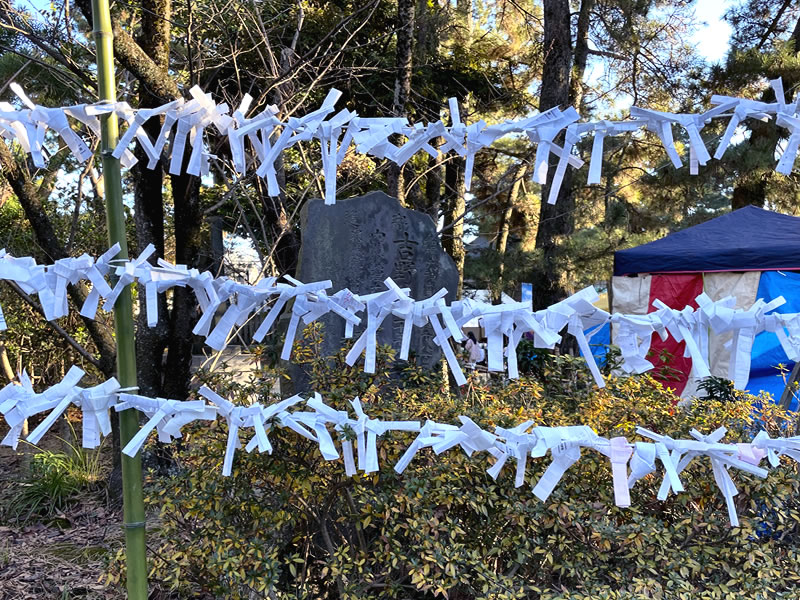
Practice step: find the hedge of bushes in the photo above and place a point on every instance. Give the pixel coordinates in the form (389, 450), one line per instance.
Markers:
(292, 525)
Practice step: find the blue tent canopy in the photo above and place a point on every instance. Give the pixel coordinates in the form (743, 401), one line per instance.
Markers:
(746, 239)
(767, 351)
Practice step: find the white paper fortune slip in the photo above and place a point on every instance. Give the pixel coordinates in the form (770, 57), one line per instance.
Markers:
(189, 124)
(628, 462)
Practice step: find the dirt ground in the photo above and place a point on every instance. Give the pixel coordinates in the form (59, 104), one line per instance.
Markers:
(64, 557)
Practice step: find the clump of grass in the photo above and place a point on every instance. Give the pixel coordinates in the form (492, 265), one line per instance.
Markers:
(55, 480)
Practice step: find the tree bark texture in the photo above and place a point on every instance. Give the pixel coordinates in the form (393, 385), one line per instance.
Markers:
(402, 86)
(454, 209)
(555, 220)
(188, 251)
(151, 342)
(576, 87)
(132, 57)
(147, 59)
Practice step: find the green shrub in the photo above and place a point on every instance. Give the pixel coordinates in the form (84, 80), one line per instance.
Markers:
(718, 388)
(292, 525)
(54, 481)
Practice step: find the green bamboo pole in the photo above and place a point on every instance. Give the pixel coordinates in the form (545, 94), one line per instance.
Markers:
(133, 502)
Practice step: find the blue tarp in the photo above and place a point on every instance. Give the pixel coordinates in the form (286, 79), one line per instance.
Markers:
(767, 352)
(746, 239)
(599, 343)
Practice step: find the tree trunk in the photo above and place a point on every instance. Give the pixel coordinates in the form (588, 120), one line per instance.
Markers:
(147, 59)
(133, 57)
(426, 53)
(518, 174)
(5, 364)
(188, 246)
(402, 86)
(433, 185)
(149, 202)
(455, 208)
(555, 220)
(149, 218)
(576, 87)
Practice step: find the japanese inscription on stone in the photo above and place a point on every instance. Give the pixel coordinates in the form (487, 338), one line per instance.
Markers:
(359, 242)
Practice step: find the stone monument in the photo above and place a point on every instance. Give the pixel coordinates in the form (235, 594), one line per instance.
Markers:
(359, 242)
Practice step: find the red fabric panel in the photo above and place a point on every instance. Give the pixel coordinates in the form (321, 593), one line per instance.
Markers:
(676, 291)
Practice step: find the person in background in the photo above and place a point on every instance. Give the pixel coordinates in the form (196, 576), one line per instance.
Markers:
(473, 349)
